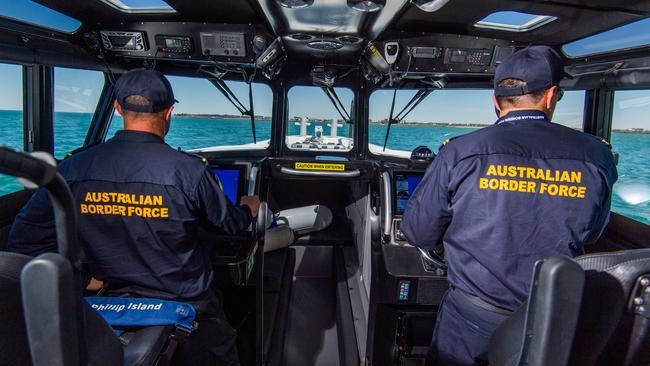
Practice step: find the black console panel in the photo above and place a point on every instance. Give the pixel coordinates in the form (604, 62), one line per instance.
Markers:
(184, 41)
(446, 53)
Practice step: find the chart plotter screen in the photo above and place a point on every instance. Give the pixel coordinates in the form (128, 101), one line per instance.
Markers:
(232, 180)
(404, 187)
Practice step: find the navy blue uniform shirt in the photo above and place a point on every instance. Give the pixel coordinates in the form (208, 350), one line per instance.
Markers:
(507, 195)
(141, 205)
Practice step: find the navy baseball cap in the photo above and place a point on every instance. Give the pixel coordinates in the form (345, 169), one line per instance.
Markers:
(539, 66)
(149, 84)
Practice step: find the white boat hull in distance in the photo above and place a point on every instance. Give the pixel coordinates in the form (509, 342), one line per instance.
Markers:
(302, 143)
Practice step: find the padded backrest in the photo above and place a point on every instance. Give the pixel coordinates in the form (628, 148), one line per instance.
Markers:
(605, 324)
(541, 330)
(14, 348)
(50, 304)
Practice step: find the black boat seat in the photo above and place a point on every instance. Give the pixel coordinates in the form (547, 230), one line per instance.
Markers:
(609, 332)
(540, 331)
(144, 346)
(103, 347)
(14, 347)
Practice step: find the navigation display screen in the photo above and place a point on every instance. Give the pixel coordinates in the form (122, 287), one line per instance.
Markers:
(122, 41)
(173, 43)
(232, 182)
(404, 187)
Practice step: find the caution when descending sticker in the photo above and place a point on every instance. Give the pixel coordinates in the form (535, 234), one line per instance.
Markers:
(320, 166)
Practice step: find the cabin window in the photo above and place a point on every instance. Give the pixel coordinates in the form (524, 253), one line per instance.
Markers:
(30, 12)
(631, 140)
(204, 119)
(441, 115)
(76, 93)
(444, 114)
(570, 110)
(631, 35)
(11, 118)
(315, 123)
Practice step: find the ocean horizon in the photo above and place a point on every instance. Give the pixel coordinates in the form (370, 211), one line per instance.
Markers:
(631, 196)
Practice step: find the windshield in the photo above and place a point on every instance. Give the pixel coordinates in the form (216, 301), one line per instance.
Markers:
(444, 114)
(205, 119)
(319, 119)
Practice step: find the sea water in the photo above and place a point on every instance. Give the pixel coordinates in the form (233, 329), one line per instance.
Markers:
(631, 196)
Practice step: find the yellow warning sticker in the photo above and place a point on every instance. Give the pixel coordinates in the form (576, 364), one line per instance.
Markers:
(320, 166)
(374, 50)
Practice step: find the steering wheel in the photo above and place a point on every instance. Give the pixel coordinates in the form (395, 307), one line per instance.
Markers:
(434, 258)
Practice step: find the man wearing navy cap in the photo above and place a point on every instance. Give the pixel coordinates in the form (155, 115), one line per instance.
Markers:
(142, 205)
(503, 197)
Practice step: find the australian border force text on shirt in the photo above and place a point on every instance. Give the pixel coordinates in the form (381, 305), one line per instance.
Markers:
(550, 182)
(124, 204)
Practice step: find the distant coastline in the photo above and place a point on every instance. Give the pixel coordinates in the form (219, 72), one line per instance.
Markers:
(222, 116)
(631, 131)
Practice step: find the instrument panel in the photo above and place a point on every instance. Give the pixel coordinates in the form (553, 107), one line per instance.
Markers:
(186, 41)
(443, 53)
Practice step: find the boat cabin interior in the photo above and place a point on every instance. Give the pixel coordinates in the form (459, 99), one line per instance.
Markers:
(327, 277)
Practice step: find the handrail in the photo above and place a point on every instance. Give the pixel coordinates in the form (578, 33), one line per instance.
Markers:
(386, 203)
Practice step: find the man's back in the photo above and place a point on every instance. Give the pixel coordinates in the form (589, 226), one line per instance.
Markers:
(141, 204)
(518, 191)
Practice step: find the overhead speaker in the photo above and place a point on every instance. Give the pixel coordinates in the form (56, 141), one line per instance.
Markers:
(325, 45)
(366, 6)
(301, 37)
(295, 4)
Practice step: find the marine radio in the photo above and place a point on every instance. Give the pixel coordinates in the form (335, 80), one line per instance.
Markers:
(124, 41)
(174, 44)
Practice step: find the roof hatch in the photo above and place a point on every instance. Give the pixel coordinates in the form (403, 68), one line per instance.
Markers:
(140, 6)
(514, 21)
(27, 11)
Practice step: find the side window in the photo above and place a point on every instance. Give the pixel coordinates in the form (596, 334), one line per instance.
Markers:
(11, 117)
(631, 140)
(76, 93)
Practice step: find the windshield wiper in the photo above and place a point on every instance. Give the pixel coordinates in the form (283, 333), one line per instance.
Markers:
(336, 102)
(232, 98)
(421, 95)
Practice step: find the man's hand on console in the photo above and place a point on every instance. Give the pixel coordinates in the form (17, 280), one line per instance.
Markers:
(253, 202)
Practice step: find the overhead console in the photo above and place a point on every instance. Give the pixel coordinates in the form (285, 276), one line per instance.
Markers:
(185, 41)
(416, 56)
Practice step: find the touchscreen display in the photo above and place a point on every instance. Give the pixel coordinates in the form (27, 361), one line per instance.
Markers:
(404, 187)
(229, 179)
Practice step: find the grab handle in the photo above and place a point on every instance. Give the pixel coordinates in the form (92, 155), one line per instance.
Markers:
(21, 165)
(318, 173)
